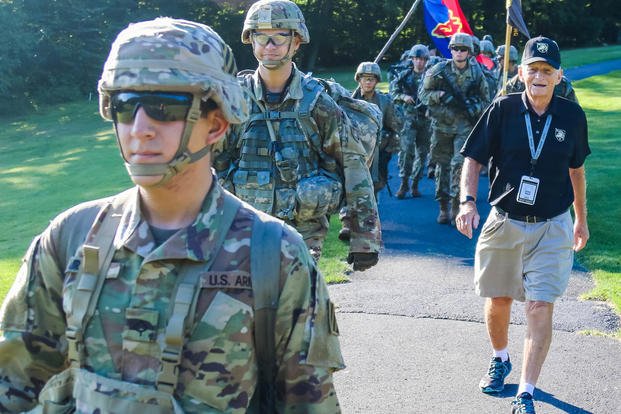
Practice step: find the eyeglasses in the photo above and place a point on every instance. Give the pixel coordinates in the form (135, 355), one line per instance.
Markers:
(368, 79)
(460, 48)
(161, 106)
(277, 39)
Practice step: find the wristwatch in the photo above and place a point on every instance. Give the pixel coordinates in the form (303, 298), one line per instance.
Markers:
(467, 199)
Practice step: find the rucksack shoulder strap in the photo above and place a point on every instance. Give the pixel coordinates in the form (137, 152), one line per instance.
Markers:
(265, 246)
(181, 318)
(97, 253)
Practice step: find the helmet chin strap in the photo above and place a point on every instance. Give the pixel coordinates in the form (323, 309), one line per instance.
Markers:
(182, 157)
(277, 64)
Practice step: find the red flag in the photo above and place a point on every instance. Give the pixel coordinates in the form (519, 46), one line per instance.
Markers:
(443, 19)
(489, 63)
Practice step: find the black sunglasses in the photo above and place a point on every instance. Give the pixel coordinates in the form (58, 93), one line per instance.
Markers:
(460, 48)
(161, 106)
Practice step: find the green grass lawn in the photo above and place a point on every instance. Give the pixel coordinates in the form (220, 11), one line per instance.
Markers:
(55, 159)
(51, 161)
(600, 97)
(579, 57)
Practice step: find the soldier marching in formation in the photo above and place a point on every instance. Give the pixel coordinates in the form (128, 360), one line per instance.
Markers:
(368, 75)
(415, 135)
(289, 158)
(456, 93)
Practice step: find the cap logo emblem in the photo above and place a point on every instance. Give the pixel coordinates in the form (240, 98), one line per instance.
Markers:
(559, 134)
(542, 47)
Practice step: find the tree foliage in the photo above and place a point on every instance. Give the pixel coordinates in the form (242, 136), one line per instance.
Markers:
(53, 50)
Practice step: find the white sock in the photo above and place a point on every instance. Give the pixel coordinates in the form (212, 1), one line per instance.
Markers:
(526, 387)
(503, 354)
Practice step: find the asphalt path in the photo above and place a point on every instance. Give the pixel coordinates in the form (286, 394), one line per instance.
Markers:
(413, 336)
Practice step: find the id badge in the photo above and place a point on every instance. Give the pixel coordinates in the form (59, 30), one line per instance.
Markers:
(528, 190)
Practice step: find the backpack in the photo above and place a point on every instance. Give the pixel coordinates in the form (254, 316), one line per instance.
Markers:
(266, 238)
(363, 120)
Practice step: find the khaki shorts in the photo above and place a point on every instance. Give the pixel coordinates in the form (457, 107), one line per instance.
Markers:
(524, 261)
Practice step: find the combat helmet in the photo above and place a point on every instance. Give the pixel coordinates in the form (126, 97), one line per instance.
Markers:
(487, 47)
(420, 51)
(513, 53)
(275, 14)
(476, 45)
(461, 39)
(171, 55)
(368, 68)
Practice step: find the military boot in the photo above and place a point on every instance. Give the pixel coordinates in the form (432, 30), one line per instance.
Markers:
(454, 210)
(415, 192)
(443, 217)
(403, 188)
(345, 233)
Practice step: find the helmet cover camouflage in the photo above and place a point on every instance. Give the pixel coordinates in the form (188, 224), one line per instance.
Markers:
(420, 51)
(275, 14)
(487, 47)
(368, 68)
(173, 55)
(461, 39)
(513, 53)
(476, 45)
(489, 38)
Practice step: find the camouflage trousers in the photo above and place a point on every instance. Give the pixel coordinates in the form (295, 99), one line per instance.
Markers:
(445, 154)
(415, 138)
(313, 231)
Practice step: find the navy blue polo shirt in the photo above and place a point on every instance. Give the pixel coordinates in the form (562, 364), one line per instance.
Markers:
(501, 138)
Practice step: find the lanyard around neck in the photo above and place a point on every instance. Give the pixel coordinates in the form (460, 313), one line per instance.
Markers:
(535, 153)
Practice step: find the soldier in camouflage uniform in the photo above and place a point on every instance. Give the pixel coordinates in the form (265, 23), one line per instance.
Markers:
(456, 93)
(291, 159)
(490, 75)
(368, 75)
(513, 63)
(404, 63)
(144, 302)
(415, 135)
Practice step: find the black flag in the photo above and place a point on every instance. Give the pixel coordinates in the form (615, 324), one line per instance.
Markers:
(514, 16)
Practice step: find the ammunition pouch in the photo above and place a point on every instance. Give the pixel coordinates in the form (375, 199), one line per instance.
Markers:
(317, 196)
(286, 160)
(255, 188)
(79, 390)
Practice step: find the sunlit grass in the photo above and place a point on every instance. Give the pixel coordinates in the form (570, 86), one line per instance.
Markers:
(600, 97)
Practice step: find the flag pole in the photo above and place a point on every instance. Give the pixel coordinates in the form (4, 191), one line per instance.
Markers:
(505, 65)
(392, 38)
(407, 17)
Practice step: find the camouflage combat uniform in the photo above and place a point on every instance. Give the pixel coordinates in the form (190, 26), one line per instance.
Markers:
(391, 125)
(174, 326)
(452, 121)
(217, 372)
(415, 135)
(300, 177)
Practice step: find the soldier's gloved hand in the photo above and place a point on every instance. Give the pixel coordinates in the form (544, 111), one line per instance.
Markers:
(362, 260)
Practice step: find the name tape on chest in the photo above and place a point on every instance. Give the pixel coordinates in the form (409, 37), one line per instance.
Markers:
(235, 279)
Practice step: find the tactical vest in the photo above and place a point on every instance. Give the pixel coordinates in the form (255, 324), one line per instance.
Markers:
(453, 84)
(279, 150)
(77, 389)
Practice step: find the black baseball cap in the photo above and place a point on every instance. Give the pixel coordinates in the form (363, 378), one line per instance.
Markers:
(542, 49)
